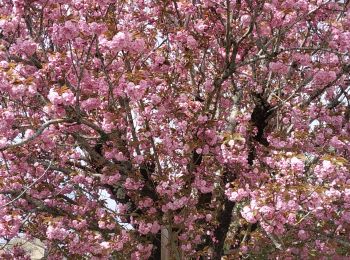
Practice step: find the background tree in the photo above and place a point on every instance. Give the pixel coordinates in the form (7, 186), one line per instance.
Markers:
(224, 123)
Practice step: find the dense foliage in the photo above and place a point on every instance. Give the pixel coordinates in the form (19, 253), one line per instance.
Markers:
(223, 125)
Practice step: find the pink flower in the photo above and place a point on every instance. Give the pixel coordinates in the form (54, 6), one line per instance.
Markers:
(347, 195)
(324, 77)
(155, 227)
(105, 245)
(131, 184)
(191, 42)
(3, 142)
(148, 202)
(120, 41)
(138, 45)
(248, 214)
(69, 31)
(267, 211)
(56, 233)
(120, 156)
(145, 228)
(301, 5)
(244, 249)
(111, 179)
(245, 20)
(202, 119)
(346, 216)
(208, 217)
(68, 98)
(28, 133)
(90, 104)
(98, 28)
(302, 59)
(278, 67)
(297, 164)
(199, 150)
(208, 86)
(200, 26)
(28, 47)
(336, 143)
(79, 224)
(136, 92)
(54, 97)
(285, 120)
(237, 195)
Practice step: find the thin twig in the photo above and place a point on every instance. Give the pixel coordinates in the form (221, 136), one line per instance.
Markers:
(37, 133)
(27, 188)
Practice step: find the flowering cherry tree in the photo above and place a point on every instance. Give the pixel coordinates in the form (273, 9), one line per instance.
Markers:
(175, 128)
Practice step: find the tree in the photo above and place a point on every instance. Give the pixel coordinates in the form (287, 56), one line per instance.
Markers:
(223, 123)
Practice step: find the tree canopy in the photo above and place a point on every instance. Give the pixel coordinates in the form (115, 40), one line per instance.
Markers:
(220, 124)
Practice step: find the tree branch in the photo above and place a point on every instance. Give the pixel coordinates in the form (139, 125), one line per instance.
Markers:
(27, 188)
(37, 133)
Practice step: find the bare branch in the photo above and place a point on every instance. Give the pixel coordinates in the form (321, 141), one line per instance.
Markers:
(37, 133)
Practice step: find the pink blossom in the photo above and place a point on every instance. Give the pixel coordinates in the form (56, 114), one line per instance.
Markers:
(56, 233)
(238, 195)
(97, 28)
(90, 104)
(155, 227)
(278, 67)
(146, 203)
(245, 19)
(248, 214)
(138, 45)
(336, 143)
(121, 40)
(267, 212)
(302, 59)
(68, 98)
(191, 42)
(201, 26)
(54, 97)
(346, 216)
(324, 77)
(297, 164)
(3, 142)
(28, 133)
(145, 228)
(26, 47)
(208, 217)
(131, 184)
(156, 84)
